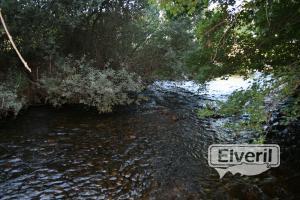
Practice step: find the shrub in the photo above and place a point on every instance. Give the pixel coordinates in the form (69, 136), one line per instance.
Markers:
(254, 106)
(10, 103)
(209, 110)
(77, 82)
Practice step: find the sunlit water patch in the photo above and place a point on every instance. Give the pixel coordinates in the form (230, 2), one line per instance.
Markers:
(217, 89)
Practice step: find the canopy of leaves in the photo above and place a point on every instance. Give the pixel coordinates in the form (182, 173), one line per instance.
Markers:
(114, 33)
(238, 38)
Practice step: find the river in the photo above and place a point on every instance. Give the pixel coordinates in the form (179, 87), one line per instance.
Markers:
(157, 150)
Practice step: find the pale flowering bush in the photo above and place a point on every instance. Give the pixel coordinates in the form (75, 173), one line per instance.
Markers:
(77, 82)
(10, 103)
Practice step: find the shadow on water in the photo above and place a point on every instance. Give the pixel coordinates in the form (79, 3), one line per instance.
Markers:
(155, 151)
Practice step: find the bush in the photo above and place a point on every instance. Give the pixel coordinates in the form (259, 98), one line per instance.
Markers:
(252, 108)
(10, 103)
(209, 110)
(77, 82)
(205, 112)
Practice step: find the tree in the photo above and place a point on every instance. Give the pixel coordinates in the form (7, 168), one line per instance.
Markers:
(255, 35)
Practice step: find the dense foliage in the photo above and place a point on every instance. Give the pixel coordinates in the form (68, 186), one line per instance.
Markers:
(241, 37)
(116, 35)
(77, 82)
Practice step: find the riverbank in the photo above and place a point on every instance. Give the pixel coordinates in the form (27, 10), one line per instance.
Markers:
(83, 84)
(207, 99)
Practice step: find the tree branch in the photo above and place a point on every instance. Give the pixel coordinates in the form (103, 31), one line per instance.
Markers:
(13, 44)
(219, 43)
(214, 27)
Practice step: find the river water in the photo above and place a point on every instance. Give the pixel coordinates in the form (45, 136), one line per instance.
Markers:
(157, 150)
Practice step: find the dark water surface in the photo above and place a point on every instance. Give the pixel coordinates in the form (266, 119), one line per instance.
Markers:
(155, 151)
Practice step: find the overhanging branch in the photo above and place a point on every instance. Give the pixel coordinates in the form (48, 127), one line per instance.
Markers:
(13, 44)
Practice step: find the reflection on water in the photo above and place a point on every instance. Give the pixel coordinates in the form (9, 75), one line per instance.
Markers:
(155, 151)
